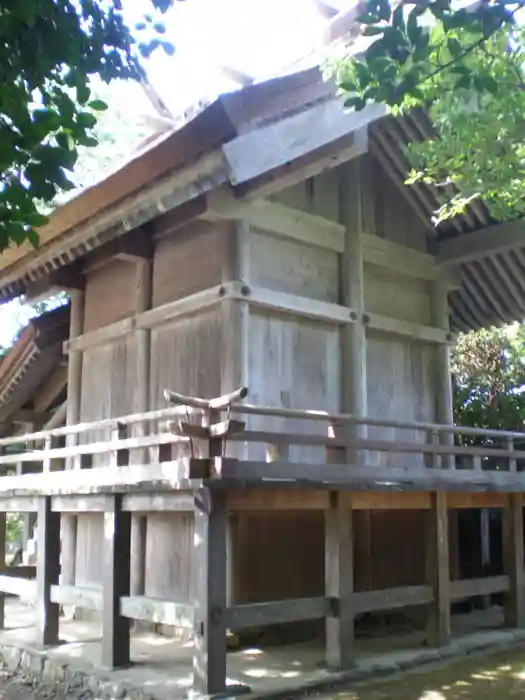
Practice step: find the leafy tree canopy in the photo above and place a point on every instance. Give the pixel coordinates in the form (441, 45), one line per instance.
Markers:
(489, 378)
(464, 65)
(49, 52)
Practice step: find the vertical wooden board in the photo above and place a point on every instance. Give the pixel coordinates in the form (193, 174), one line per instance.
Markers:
(394, 563)
(90, 538)
(110, 294)
(395, 218)
(399, 389)
(316, 195)
(293, 363)
(169, 543)
(293, 268)
(279, 555)
(188, 260)
(395, 295)
(186, 357)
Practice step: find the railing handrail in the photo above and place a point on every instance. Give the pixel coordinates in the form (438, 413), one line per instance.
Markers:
(196, 406)
(326, 416)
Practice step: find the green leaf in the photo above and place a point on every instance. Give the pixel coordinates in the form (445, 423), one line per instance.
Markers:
(454, 47)
(83, 93)
(86, 120)
(36, 219)
(98, 105)
(372, 31)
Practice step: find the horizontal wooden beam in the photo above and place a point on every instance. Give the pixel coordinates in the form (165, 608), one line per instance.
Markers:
(391, 599)
(355, 478)
(276, 612)
(285, 142)
(18, 586)
(396, 326)
(164, 612)
(64, 279)
(174, 502)
(77, 596)
(133, 246)
(481, 243)
(22, 504)
(313, 230)
(290, 304)
(469, 588)
(184, 474)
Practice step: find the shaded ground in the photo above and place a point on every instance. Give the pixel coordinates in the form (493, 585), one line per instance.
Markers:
(494, 676)
(20, 687)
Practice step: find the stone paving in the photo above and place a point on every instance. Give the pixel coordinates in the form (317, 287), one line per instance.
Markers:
(162, 665)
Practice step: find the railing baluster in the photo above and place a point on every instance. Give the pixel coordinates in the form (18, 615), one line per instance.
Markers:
(3, 536)
(116, 630)
(119, 457)
(513, 463)
(47, 572)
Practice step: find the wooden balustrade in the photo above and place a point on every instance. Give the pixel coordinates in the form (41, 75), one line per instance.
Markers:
(200, 484)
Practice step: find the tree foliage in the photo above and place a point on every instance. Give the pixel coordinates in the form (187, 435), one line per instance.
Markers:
(49, 52)
(465, 67)
(489, 379)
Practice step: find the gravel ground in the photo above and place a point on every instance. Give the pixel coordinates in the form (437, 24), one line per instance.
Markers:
(17, 686)
(496, 676)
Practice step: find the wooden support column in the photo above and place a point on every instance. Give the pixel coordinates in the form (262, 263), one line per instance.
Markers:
(339, 555)
(513, 559)
(47, 572)
(73, 415)
(143, 302)
(438, 571)
(339, 576)
(116, 636)
(209, 581)
(234, 370)
(441, 368)
(3, 537)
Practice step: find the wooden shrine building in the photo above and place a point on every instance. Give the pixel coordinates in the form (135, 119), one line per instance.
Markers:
(268, 243)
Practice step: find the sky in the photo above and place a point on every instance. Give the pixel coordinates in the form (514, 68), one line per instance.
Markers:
(258, 37)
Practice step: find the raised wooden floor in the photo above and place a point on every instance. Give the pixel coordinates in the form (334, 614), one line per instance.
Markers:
(209, 463)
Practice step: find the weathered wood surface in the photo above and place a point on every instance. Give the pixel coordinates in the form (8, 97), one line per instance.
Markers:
(469, 588)
(182, 474)
(164, 612)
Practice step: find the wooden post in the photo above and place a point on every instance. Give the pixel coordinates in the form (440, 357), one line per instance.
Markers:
(74, 389)
(443, 379)
(339, 575)
(438, 571)
(116, 637)
(339, 564)
(47, 572)
(234, 369)
(3, 534)
(143, 302)
(513, 558)
(209, 580)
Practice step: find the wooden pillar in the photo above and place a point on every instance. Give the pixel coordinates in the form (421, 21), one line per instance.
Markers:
(513, 559)
(234, 370)
(143, 302)
(339, 555)
(441, 368)
(339, 576)
(3, 537)
(116, 636)
(47, 572)
(438, 571)
(209, 581)
(73, 415)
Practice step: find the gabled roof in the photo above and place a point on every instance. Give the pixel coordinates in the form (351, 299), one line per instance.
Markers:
(248, 141)
(31, 360)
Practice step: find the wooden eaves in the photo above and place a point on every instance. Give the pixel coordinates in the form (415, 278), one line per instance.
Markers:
(255, 142)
